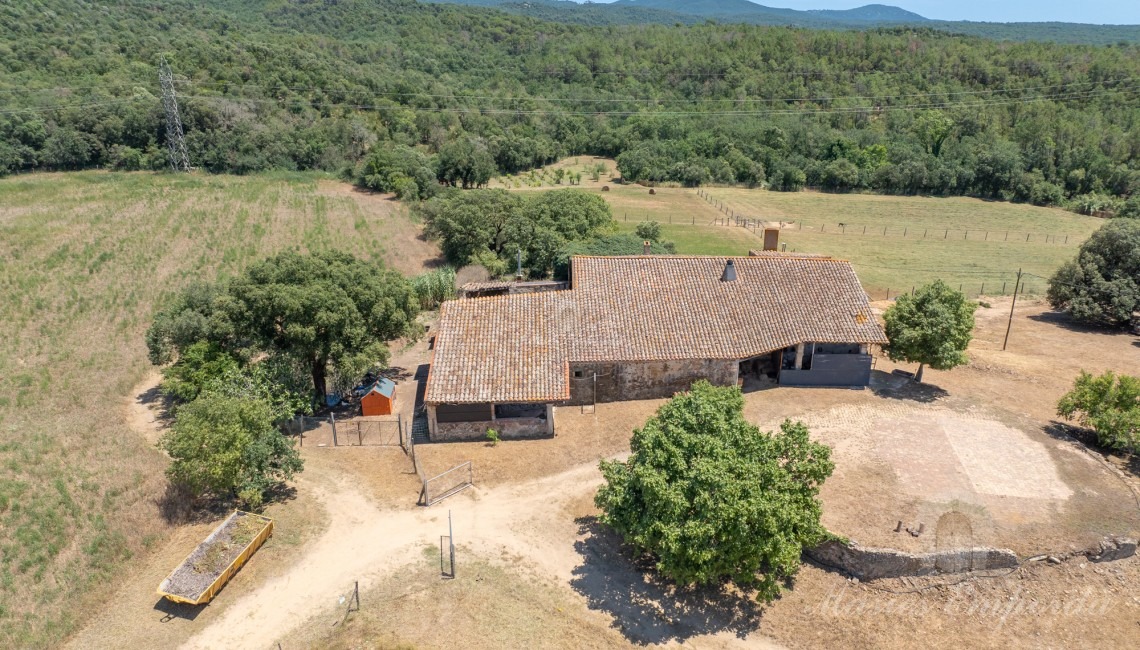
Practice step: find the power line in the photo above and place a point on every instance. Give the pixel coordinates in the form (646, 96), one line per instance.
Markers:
(626, 113)
(493, 110)
(662, 100)
(58, 107)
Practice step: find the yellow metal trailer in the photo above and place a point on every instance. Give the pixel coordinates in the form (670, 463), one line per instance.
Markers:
(216, 559)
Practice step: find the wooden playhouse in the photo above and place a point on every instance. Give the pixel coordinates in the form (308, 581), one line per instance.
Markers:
(380, 398)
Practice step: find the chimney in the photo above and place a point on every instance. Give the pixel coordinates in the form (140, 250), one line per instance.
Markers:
(729, 274)
(771, 239)
(647, 248)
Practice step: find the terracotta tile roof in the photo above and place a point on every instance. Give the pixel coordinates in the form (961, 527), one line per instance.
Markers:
(510, 284)
(518, 348)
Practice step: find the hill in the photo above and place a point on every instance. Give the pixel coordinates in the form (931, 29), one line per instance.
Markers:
(669, 12)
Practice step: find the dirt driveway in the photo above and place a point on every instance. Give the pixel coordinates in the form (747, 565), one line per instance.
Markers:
(365, 543)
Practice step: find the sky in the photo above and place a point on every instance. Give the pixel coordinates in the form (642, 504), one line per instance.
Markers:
(1118, 12)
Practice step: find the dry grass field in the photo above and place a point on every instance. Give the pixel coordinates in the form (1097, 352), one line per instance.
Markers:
(85, 259)
(975, 244)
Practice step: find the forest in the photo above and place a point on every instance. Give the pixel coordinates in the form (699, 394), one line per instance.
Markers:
(464, 92)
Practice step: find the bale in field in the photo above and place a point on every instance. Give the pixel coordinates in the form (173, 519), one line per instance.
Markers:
(652, 191)
(605, 188)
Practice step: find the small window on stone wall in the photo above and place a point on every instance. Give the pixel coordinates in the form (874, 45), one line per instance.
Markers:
(578, 374)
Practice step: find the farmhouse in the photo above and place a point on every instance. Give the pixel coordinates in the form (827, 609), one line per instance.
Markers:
(642, 327)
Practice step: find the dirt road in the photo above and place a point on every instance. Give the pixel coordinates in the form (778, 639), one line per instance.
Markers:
(363, 542)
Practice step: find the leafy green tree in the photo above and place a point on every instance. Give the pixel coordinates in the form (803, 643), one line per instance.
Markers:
(227, 447)
(205, 369)
(323, 308)
(200, 364)
(618, 244)
(932, 129)
(1131, 208)
(574, 214)
(483, 226)
(466, 162)
(840, 175)
(931, 327)
(711, 497)
(648, 231)
(471, 223)
(1109, 405)
(198, 313)
(1102, 285)
(402, 170)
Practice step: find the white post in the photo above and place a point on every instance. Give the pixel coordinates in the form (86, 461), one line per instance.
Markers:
(799, 356)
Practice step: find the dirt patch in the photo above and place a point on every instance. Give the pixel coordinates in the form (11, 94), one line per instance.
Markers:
(147, 409)
(931, 465)
(580, 437)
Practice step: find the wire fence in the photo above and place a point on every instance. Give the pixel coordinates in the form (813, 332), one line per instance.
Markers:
(734, 217)
(331, 431)
(975, 290)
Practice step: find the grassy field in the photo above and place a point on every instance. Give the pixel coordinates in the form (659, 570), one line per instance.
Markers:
(85, 259)
(970, 243)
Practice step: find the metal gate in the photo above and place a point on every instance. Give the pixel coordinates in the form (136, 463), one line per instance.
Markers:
(370, 432)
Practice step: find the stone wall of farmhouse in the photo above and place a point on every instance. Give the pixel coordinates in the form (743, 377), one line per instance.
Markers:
(508, 429)
(629, 380)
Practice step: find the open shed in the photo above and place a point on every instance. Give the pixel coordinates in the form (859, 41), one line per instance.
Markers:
(380, 398)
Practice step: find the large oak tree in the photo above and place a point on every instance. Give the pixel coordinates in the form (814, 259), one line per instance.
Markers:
(317, 309)
(712, 497)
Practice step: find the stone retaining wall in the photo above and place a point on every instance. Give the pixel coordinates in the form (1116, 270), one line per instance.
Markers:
(874, 563)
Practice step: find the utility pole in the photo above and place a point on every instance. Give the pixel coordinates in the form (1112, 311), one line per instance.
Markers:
(175, 140)
(1009, 325)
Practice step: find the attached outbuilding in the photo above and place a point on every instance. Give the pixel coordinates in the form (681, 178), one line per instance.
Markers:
(380, 398)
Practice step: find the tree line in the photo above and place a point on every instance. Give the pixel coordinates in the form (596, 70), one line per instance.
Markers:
(464, 93)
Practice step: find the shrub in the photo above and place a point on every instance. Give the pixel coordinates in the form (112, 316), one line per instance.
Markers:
(434, 287)
(1109, 405)
(649, 231)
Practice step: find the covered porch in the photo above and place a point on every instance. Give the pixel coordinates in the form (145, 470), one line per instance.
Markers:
(512, 420)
